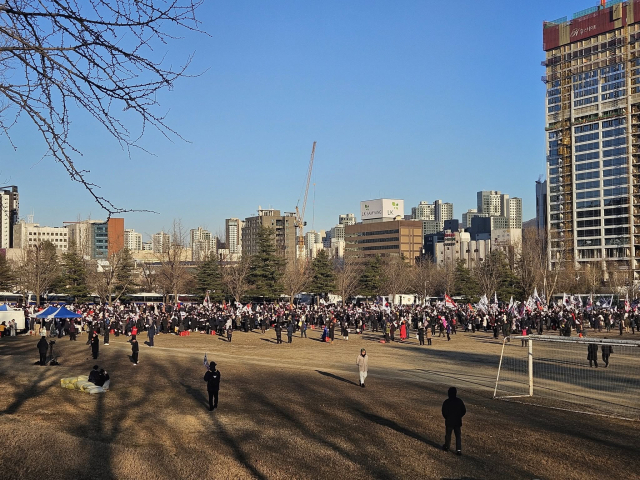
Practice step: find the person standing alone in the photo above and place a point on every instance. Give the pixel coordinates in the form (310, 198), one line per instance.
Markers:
(43, 346)
(212, 377)
(363, 366)
(453, 410)
(134, 350)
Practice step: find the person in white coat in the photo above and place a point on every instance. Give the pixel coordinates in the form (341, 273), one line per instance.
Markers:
(363, 366)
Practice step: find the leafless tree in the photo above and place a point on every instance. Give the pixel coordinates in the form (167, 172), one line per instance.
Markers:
(37, 269)
(236, 278)
(396, 276)
(531, 261)
(296, 278)
(173, 276)
(487, 274)
(347, 278)
(148, 276)
(424, 278)
(100, 55)
(113, 276)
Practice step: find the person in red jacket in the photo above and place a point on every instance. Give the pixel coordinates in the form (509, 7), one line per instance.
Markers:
(134, 332)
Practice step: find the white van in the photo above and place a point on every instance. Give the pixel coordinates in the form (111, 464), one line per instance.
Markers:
(18, 316)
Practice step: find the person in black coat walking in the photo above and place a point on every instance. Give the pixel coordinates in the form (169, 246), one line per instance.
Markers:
(592, 354)
(453, 410)
(606, 351)
(212, 377)
(135, 348)
(95, 344)
(43, 346)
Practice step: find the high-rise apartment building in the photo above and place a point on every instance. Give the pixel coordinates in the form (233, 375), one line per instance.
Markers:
(160, 242)
(282, 226)
(592, 125)
(132, 240)
(424, 211)
(9, 212)
(203, 244)
(466, 217)
(233, 232)
(492, 203)
(347, 219)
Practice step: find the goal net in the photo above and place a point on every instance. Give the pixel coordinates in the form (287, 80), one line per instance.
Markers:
(555, 371)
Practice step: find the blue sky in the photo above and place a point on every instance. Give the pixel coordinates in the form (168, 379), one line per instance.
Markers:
(411, 99)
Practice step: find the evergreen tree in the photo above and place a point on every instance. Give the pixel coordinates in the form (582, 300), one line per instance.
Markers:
(74, 274)
(267, 267)
(371, 278)
(209, 277)
(323, 277)
(7, 278)
(125, 282)
(464, 284)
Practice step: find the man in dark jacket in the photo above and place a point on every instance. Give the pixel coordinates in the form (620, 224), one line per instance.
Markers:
(95, 344)
(278, 329)
(212, 377)
(134, 350)
(453, 410)
(43, 346)
(606, 351)
(289, 332)
(592, 354)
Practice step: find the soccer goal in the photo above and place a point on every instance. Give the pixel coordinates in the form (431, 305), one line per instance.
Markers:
(561, 372)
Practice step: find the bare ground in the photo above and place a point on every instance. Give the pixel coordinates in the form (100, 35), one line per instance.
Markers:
(289, 411)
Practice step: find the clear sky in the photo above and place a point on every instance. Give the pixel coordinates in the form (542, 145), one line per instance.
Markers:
(418, 100)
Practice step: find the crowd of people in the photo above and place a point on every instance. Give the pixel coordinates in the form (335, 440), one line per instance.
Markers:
(394, 323)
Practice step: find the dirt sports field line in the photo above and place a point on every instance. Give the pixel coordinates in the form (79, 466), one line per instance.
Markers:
(289, 412)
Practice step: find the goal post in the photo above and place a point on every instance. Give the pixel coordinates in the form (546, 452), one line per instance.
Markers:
(591, 375)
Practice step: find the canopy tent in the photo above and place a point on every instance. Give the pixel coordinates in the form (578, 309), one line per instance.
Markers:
(46, 312)
(64, 313)
(7, 314)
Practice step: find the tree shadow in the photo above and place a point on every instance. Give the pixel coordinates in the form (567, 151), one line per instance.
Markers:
(336, 377)
(398, 428)
(196, 394)
(268, 340)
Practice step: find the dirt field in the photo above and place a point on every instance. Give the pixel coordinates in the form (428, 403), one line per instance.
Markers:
(289, 411)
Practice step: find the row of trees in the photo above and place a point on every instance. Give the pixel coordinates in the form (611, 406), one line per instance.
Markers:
(268, 275)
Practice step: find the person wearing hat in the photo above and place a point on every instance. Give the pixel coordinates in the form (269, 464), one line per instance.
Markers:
(212, 377)
(363, 366)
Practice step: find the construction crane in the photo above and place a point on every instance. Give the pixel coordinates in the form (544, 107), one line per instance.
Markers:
(299, 218)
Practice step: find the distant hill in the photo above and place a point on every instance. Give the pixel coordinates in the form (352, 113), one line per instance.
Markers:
(529, 223)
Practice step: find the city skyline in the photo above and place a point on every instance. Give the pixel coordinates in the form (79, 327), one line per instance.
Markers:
(386, 124)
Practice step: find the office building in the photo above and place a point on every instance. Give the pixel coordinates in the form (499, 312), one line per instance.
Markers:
(381, 210)
(591, 130)
(313, 243)
(386, 238)
(115, 235)
(132, 240)
(97, 239)
(233, 232)
(9, 213)
(283, 230)
(29, 234)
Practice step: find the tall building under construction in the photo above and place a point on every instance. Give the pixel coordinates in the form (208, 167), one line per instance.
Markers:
(593, 135)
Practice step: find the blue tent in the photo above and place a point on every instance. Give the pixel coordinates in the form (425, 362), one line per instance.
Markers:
(6, 308)
(46, 312)
(64, 313)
